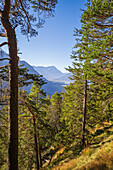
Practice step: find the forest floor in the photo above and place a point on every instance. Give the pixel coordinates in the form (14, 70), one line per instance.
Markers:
(97, 156)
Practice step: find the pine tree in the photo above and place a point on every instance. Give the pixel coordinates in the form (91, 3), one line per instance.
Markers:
(56, 101)
(72, 111)
(38, 95)
(12, 14)
(24, 80)
(97, 23)
(93, 54)
(33, 123)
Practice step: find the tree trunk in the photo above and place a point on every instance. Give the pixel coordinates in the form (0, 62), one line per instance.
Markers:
(84, 114)
(1, 92)
(36, 147)
(39, 152)
(13, 89)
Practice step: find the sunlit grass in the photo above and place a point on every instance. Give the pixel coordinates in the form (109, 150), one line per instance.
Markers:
(98, 156)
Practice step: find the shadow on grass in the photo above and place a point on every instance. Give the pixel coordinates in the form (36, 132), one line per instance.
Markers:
(100, 131)
(98, 138)
(68, 154)
(73, 151)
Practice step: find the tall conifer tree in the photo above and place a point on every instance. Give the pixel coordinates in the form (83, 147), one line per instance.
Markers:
(14, 13)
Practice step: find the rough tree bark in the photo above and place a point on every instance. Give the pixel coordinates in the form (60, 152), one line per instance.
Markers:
(13, 88)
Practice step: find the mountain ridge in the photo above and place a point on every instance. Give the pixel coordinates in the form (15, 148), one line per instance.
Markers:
(50, 88)
(51, 73)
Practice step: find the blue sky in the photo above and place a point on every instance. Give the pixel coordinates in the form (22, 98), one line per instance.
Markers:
(54, 43)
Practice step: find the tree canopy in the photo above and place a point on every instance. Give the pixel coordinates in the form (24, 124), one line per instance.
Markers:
(28, 15)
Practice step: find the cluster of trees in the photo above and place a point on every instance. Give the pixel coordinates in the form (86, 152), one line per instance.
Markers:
(27, 16)
(46, 124)
(93, 62)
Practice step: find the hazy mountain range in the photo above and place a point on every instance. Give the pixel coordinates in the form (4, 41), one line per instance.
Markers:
(51, 73)
(56, 80)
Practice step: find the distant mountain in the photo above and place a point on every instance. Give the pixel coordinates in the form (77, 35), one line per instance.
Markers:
(50, 88)
(51, 73)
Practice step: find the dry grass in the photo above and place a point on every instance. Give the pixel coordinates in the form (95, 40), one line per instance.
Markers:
(102, 162)
(98, 157)
(66, 166)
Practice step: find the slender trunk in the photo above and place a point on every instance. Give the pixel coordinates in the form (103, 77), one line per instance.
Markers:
(35, 137)
(36, 146)
(39, 152)
(84, 114)
(1, 92)
(13, 90)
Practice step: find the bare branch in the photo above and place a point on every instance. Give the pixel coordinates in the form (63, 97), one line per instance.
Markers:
(2, 35)
(0, 12)
(4, 43)
(1, 59)
(4, 66)
(28, 24)
(19, 8)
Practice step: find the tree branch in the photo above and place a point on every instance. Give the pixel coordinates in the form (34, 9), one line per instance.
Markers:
(28, 24)
(0, 12)
(94, 34)
(103, 26)
(1, 59)
(4, 66)
(4, 43)
(2, 35)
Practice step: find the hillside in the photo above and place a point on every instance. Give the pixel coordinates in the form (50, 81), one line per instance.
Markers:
(97, 156)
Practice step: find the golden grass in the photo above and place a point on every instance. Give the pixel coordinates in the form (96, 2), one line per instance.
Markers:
(98, 157)
(66, 166)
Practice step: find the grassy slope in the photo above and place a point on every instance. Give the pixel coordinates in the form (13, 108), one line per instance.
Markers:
(98, 156)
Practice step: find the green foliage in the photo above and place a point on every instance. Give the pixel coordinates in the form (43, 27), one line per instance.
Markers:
(3, 136)
(59, 119)
(37, 103)
(29, 15)
(72, 112)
